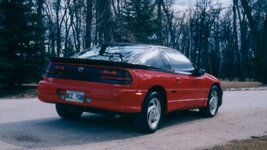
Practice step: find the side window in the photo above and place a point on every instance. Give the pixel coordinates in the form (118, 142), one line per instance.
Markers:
(180, 63)
(154, 59)
(166, 63)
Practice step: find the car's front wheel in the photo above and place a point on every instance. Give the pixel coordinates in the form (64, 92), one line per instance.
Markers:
(68, 112)
(149, 118)
(213, 103)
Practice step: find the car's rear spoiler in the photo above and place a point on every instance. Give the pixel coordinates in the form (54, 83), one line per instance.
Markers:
(104, 63)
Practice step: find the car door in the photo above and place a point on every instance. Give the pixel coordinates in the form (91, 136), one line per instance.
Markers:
(190, 88)
(167, 79)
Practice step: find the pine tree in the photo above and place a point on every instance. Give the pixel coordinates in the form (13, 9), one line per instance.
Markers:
(141, 21)
(22, 43)
(3, 46)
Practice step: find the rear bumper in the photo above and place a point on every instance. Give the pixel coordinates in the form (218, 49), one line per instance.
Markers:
(103, 96)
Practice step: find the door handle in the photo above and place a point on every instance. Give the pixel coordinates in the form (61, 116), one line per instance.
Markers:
(178, 79)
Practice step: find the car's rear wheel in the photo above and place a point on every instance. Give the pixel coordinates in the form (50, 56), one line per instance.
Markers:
(149, 118)
(213, 103)
(68, 112)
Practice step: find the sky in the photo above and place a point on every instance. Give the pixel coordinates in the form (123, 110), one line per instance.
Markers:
(184, 2)
(192, 2)
(180, 5)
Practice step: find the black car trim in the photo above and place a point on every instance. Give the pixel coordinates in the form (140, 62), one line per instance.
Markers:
(105, 63)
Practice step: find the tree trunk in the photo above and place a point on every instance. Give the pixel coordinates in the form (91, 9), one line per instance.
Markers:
(107, 23)
(264, 51)
(170, 26)
(58, 27)
(40, 31)
(236, 49)
(99, 22)
(258, 40)
(159, 18)
(89, 18)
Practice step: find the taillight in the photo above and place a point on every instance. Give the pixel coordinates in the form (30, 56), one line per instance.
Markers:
(54, 69)
(59, 67)
(111, 72)
(87, 73)
(117, 76)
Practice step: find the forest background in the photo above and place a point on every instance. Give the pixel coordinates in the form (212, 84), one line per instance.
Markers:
(228, 40)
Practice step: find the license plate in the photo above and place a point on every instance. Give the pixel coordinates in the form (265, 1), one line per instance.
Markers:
(74, 96)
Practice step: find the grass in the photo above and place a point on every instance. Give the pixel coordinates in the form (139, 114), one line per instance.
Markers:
(255, 143)
(227, 85)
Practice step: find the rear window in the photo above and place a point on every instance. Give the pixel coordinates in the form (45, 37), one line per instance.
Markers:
(127, 54)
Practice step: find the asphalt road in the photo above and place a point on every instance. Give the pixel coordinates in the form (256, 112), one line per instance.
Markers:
(31, 124)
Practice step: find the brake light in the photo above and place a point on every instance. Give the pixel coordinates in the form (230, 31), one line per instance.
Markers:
(108, 72)
(61, 67)
(54, 69)
(116, 76)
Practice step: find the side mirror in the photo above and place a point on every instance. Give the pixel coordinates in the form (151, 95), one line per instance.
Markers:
(201, 71)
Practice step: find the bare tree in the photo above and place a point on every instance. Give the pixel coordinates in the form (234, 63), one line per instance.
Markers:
(214, 37)
(59, 21)
(89, 19)
(259, 34)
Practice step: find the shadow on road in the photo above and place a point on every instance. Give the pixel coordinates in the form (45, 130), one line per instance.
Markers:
(90, 128)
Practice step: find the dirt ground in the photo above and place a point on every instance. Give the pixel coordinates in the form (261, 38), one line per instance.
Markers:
(23, 91)
(255, 143)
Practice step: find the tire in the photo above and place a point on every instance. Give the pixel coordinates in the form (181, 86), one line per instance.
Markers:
(212, 104)
(149, 118)
(68, 112)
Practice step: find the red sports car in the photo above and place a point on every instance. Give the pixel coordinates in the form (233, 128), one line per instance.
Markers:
(144, 80)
